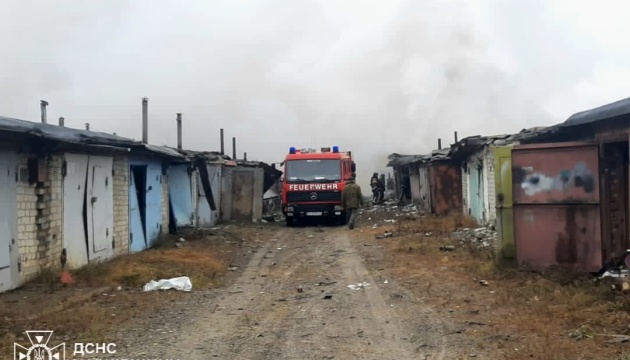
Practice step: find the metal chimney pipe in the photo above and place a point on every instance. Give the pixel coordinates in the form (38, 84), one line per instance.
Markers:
(43, 104)
(87, 126)
(439, 144)
(245, 156)
(145, 120)
(455, 136)
(233, 148)
(179, 131)
(61, 121)
(222, 144)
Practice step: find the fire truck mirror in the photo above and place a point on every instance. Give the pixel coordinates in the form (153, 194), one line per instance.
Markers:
(354, 167)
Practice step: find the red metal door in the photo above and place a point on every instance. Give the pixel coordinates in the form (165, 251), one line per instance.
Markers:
(557, 205)
(446, 188)
(614, 178)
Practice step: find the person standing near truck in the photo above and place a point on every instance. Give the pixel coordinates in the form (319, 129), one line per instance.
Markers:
(381, 188)
(351, 200)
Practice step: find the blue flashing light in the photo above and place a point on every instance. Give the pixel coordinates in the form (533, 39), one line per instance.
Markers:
(335, 149)
(292, 150)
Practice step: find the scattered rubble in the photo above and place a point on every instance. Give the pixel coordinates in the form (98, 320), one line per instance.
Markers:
(482, 237)
(622, 286)
(621, 273)
(359, 286)
(393, 206)
(385, 235)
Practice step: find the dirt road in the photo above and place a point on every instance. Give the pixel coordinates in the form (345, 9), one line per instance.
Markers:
(290, 300)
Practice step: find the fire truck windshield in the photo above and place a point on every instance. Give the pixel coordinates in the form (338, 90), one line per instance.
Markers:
(313, 170)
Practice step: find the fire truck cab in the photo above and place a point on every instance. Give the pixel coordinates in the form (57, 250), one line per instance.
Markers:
(313, 183)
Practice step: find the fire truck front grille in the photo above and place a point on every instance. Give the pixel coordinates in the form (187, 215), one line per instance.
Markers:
(313, 196)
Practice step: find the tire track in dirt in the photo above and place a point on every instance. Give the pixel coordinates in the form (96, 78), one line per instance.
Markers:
(264, 316)
(387, 323)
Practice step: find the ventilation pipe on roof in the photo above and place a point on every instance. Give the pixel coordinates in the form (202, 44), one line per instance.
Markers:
(439, 144)
(87, 126)
(233, 148)
(245, 156)
(222, 144)
(179, 131)
(456, 137)
(61, 121)
(145, 120)
(42, 105)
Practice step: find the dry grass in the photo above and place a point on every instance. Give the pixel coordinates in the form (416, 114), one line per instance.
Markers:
(551, 314)
(201, 265)
(89, 309)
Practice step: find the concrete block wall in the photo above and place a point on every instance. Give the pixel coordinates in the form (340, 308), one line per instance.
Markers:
(465, 202)
(489, 183)
(487, 157)
(40, 216)
(121, 205)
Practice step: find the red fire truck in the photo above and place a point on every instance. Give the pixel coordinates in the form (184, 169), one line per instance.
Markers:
(313, 182)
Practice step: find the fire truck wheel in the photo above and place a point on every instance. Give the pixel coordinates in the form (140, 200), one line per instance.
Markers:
(343, 219)
(291, 222)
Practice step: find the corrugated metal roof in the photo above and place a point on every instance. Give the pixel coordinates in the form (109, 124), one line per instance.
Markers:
(463, 147)
(470, 144)
(617, 108)
(65, 134)
(165, 150)
(402, 160)
(81, 137)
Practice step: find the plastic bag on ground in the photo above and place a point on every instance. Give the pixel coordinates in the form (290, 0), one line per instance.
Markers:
(181, 283)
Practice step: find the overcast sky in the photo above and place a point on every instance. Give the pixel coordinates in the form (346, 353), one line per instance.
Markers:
(374, 77)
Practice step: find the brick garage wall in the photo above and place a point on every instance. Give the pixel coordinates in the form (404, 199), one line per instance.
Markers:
(489, 183)
(40, 216)
(121, 205)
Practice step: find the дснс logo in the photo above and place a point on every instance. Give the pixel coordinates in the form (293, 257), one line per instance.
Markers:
(39, 349)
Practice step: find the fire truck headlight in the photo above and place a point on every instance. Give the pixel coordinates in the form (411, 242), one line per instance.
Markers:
(337, 208)
(290, 209)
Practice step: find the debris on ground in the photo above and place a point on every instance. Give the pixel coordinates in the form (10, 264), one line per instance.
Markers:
(447, 248)
(181, 283)
(384, 235)
(581, 333)
(622, 286)
(358, 286)
(482, 237)
(66, 278)
(621, 273)
(617, 338)
(394, 207)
